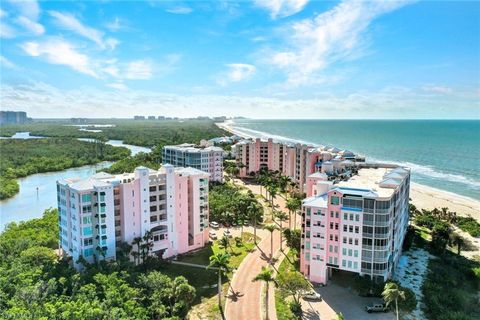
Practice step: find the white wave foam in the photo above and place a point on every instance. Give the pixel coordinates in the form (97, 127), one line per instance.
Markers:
(426, 171)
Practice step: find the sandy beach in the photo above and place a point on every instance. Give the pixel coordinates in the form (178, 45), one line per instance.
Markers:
(423, 197)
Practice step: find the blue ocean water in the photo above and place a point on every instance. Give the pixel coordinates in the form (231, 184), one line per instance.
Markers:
(444, 154)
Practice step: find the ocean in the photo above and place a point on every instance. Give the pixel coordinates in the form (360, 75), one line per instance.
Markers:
(444, 154)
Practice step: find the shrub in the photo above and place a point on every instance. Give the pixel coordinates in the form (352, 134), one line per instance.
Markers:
(470, 225)
(368, 288)
(296, 308)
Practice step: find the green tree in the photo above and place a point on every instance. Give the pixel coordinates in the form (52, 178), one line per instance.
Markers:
(292, 283)
(392, 293)
(266, 275)
(271, 228)
(281, 216)
(221, 261)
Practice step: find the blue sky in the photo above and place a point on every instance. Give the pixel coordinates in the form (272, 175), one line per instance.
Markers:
(260, 58)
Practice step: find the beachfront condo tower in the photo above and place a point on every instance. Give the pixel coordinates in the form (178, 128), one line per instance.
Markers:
(99, 213)
(294, 160)
(356, 224)
(208, 159)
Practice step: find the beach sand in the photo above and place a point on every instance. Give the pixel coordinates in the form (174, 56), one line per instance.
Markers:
(423, 197)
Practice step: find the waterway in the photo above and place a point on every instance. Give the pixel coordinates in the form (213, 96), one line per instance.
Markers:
(38, 192)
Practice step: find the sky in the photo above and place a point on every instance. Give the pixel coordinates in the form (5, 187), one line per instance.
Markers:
(260, 59)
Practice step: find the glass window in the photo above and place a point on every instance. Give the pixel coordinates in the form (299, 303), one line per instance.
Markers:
(86, 197)
(355, 265)
(344, 251)
(351, 216)
(355, 253)
(349, 264)
(344, 263)
(349, 252)
(87, 231)
(345, 216)
(335, 200)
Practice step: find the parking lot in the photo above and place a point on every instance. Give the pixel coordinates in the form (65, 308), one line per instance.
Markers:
(342, 299)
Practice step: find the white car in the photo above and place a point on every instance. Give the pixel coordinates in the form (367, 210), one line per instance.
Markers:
(214, 224)
(227, 234)
(312, 295)
(212, 234)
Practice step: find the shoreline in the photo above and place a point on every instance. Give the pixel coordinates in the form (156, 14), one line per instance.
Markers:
(423, 197)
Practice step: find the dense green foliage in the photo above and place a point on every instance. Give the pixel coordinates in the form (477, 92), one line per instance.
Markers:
(146, 133)
(450, 288)
(230, 203)
(470, 225)
(35, 284)
(24, 157)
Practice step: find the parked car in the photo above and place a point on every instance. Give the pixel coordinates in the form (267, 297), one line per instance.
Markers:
(212, 234)
(214, 225)
(227, 234)
(312, 295)
(378, 307)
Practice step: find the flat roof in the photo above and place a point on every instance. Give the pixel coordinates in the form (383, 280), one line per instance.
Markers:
(369, 180)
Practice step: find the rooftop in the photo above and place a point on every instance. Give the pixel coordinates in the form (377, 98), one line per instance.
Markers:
(377, 180)
(193, 148)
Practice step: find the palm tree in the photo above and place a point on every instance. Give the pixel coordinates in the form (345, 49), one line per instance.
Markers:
(136, 241)
(223, 243)
(291, 206)
(281, 216)
(220, 261)
(457, 241)
(253, 211)
(392, 292)
(265, 275)
(271, 228)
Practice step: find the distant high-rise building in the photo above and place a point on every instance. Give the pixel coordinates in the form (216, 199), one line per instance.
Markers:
(139, 118)
(13, 117)
(100, 213)
(151, 117)
(207, 159)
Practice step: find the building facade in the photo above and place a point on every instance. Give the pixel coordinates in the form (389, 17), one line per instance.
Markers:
(208, 159)
(356, 225)
(13, 117)
(296, 161)
(99, 213)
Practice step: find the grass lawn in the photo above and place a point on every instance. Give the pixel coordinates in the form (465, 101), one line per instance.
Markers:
(281, 304)
(205, 281)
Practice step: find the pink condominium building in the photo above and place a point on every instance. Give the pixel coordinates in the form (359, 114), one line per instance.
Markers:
(97, 214)
(297, 161)
(356, 225)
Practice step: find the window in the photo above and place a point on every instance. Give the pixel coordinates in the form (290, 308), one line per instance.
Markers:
(102, 209)
(349, 252)
(87, 242)
(357, 229)
(336, 238)
(330, 248)
(355, 265)
(357, 217)
(153, 208)
(356, 242)
(87, 231)
(349, 240)
(102, 198)
(307, 256)
(355, 253)
(350, 228)
(344, 263)
(344, 228)
(88, 252)
(345, 216)
(335, 249)
(153, 218)
(344, 251)
(86, 209)
(331, 214)
(86, 197)
(351, 216)
(336, 226)
(335, 200)
(331, 225)
(87, 220)
(117, 223)
(153, 188)
(336, 214)
(331, 237)
(335, 260)
(344, 239)
(349, 264)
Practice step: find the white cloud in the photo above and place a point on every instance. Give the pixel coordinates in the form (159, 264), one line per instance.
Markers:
(437, 89)
(336, 35)
(118, 86)
(6, 31)
(31, 26)
(139, 69)
(4, 62)
(59, 51)
(237, 72)
(42, 100)
(27, 8)
(281, 8)
(3, 14)
(70, 22)
(180, 10)
(115, 25)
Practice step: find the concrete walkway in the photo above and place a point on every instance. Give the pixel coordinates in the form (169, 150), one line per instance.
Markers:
(192, 265)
